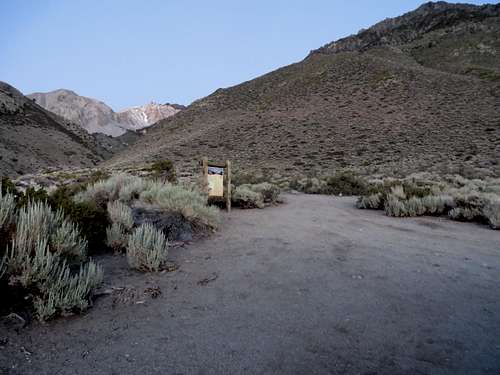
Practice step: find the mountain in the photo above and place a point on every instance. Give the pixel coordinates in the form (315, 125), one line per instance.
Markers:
(412, 93)
(137, 118)
(32, 138)
(97, 117)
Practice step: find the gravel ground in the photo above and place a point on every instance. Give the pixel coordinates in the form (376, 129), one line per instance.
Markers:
(313, 286)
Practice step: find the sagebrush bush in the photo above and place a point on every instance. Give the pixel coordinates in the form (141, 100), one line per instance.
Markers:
(147, 249)
(244, 197)
(270, 192)
(373, 201)
(44, 248)
(191, 204)
(437, 204)
(170, 198)
(116, 237)
(464, 214)
(105, 191)
(491, 212)
(424, 194)
(37, 221)
(132, 190)
(121, 214)
(7, 209)
(394, 206)
(67, 292)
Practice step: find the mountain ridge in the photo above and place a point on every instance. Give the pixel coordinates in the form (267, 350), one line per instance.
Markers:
(429, 103)
(95, 116)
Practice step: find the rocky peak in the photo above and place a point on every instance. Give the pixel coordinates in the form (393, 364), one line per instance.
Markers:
(410, 26)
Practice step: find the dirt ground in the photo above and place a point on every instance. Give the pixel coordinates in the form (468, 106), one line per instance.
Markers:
(313, 286)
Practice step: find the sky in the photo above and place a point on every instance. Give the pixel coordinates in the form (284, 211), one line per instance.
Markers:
(129, 53)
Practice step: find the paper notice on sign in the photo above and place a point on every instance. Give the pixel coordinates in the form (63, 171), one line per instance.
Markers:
(215, 185)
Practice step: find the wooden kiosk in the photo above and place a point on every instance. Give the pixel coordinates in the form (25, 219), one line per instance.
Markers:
(214, 175)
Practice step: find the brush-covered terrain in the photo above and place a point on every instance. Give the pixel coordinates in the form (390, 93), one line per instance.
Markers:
(418, 92)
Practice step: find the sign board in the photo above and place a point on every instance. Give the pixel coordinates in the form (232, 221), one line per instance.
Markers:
(215, 185)
(214, 175)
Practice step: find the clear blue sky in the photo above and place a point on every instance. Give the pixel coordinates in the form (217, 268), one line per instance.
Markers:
(129, 53)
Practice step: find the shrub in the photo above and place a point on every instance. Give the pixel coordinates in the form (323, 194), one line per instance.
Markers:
(165, 170)
(7, 209)
(309, 185)
(398, 192)
(191, 204)
(7, 186)
(120, 214)
(438, 204)
(104, 191)
(424, 194)
(373, 201)
(43, 251)
(394, 206)
(244, 197)
(464, 214)
(346, 183)
(270, 192)
(67, 292)
(147, 249)
(91, 219)
(37, 221)
(32, 195)
(491, 212)
(116, 237)
(131, 191)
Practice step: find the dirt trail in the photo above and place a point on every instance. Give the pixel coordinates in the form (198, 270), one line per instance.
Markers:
(310, 287)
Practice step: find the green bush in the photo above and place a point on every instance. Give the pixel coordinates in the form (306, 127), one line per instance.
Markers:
(147, 249)
(164, 170)
(90, 218)
(32, 195)
(7, 186)
(345, 183)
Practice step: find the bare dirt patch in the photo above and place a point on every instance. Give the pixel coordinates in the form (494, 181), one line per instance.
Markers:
(312, 286)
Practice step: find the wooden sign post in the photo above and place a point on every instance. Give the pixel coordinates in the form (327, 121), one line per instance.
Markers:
(213, 179)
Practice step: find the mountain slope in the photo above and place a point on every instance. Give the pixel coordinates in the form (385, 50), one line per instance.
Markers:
(97, 117)
(419, 92)
(32, 138)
